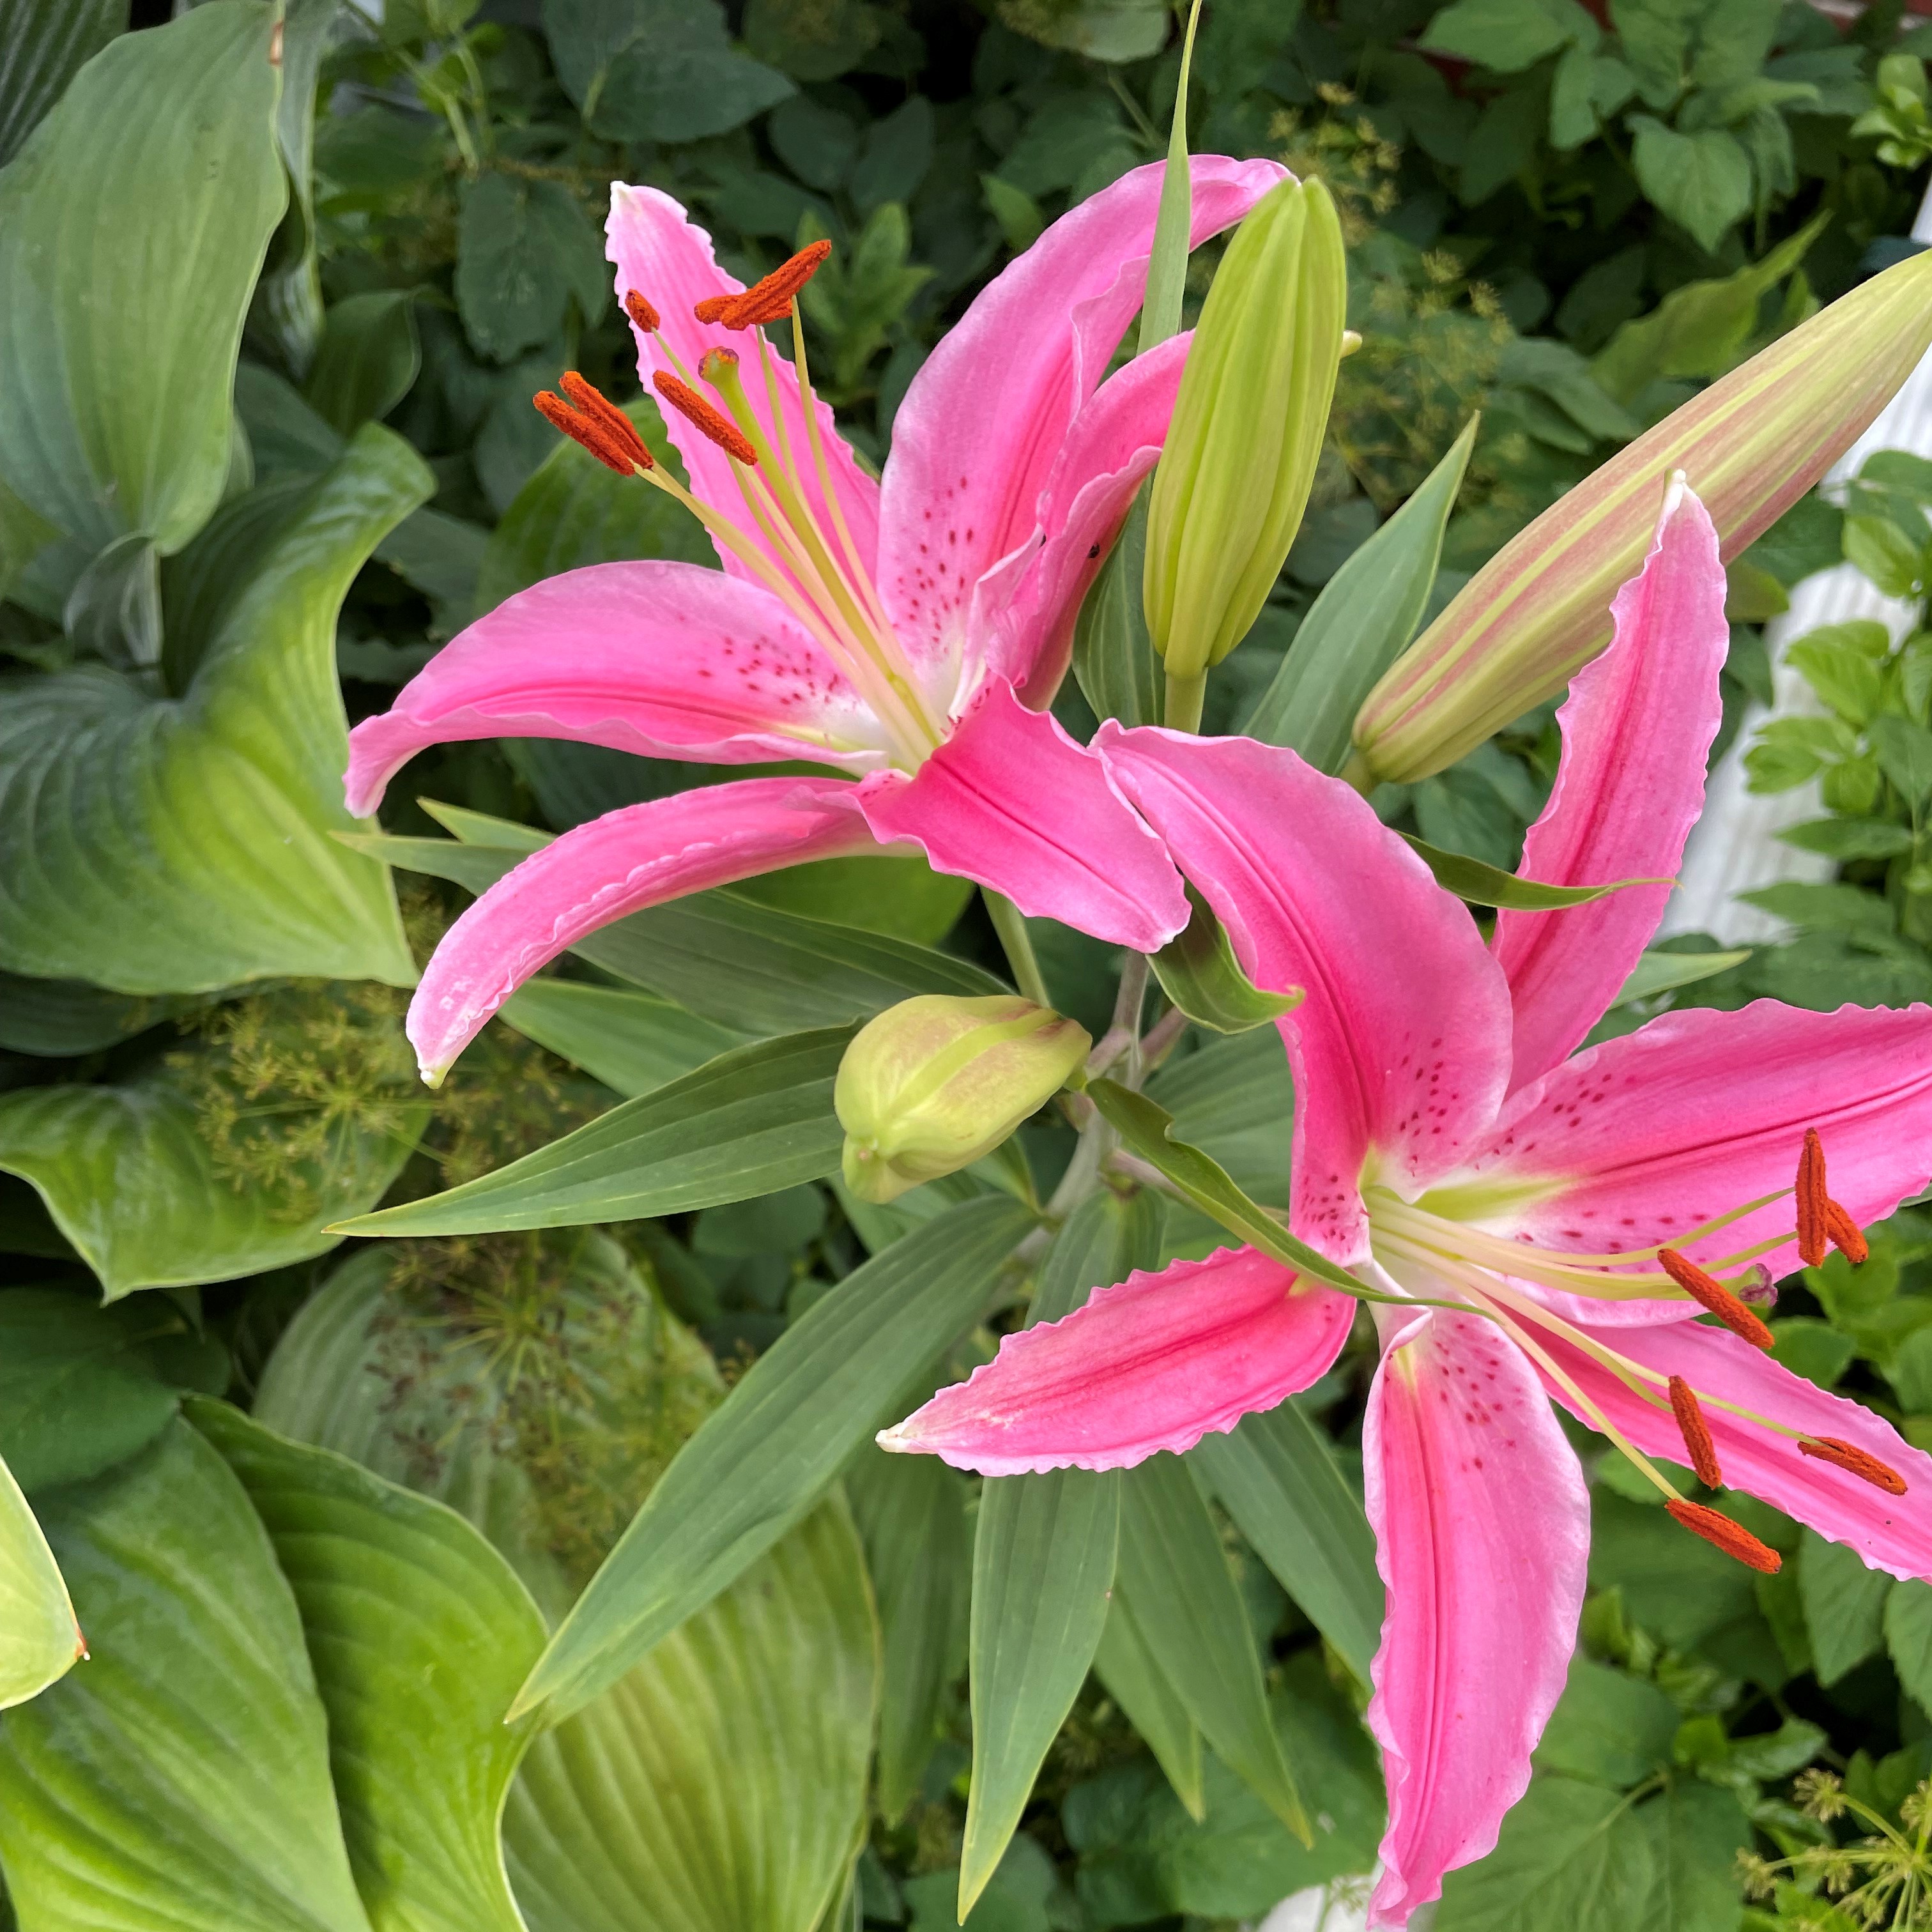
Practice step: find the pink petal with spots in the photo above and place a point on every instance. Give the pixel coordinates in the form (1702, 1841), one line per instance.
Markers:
(1011, 803)
(1891, 1533)
(1482, 1525)
(975, 441)
(1636, 1141)
(663, 254)
(1400, 1048)
(1636, 730)
(664, 659)
(1155, 1363)
(1114, 441)
(641, 856)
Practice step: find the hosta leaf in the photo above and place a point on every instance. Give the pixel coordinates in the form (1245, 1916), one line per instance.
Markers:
(179, 1779)
(46, 43)
(62, 1018)
(169, 843)
(39, 1639)
(753, 1120)
(826, 1384)
(419, 1633)
(156, 176)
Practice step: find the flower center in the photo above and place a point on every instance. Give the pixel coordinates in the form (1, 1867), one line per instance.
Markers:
(1438, 1257)
(792, 534)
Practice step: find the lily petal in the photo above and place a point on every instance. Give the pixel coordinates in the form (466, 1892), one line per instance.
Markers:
(1011, 801)
(667, 660)
(1401, 1048)
(1891, 1533)
(668, 259)
(1482, 1525)
(974, 441)
(640, 855)
(1155, 1363)
(1114, 442)
(1638, 1140)
(1636, 728)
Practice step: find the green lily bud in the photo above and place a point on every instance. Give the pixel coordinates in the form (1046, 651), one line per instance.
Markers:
(935, 1082)
(1239, 457)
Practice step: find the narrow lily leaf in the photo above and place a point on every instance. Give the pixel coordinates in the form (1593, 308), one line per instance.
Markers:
(1198, 972)
(1663, 972)
(632, 1042)
(751, 1121)
(1189, 1615)
(420, 1633)
(1276, 1476)
(910, 1513)
(1114, 659)
(1126, 1666)
(1167, 263)
(830, 1382)
(1147, 1128)
(1360, 623)
(39, 1639)
(1470, 879)
(1042, 1565)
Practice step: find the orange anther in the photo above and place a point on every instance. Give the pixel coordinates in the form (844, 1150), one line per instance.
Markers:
(1854, 1462)
(1733, 1539)
(641, 312)
(1697, 1433)
(713, 308)
(1713, 1295)
(1812, 1200)
(595, 404)
(711, 422)
(768, 300)
(590, 433)
(1846, 1234)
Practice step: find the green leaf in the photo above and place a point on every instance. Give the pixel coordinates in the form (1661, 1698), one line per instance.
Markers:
(40, 1641)
(181, 1777)
(1608, 1728)
(523, 249)
(367, 360)
(1701, 181)
(1844, 1606)
(63, 1018)
(1042, 1565)
(1189, 1615)
(1126, 1666)
(911, 1518)
(1148, 1130)
(826, 1385)
(1877, 547)
(1167, 260)
(154, 844)
(656, 70)
(753, 1120)
(1233, 1098)
(1506, 36)
(811, 40)
(1904, 751)
(1114, 662)
(1908, 1638)
(632, 1042)
(1199, 974)
(419, 1633)
(1276, 1475)
(1656, 973)
(1360, 624)
(1470, 879)
(1018, 215)
(156, 176)
(45, 46)
(1101, 30)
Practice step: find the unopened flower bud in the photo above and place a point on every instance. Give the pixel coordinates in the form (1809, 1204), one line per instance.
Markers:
(1240, 458)
(935, 1082)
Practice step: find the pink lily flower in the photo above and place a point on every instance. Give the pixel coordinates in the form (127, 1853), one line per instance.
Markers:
(1558, 1214)
(908, 633)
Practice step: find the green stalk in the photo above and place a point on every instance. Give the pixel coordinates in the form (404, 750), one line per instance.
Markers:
(1010, 924)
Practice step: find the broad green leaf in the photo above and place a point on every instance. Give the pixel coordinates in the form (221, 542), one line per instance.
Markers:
(39, 1640)
(1656, 973)
(1042, 1565)
(1126, 1666)
(756, 1119)
(1199, 974)
(1114, 659)
(367, 359)
(1276, 1475)
(1904, 749)
(1844, 1606)
(632, 1042)
(174, 844)
(44, 46)
(811, 40)
(1470, 879)
(1101, 30)
(1908, 1638)
(82, 1387)
(134, 1177)
(181, 1777)
(1361, 622)
(1703, 181)
(1189, 1615)
(523, 249)
(1608, 1728)
(829, 1382)
(911, 1518)
(62, 1018)
(156, 176)
(1508, 35)
(419, 1633)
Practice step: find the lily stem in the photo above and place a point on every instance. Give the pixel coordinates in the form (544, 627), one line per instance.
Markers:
(1010, 924)
(1185, 695)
